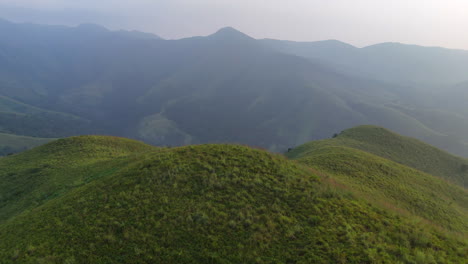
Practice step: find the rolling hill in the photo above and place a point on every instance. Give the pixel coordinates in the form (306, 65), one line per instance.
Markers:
(389, 169)
(124, 202)
(34, 177)
(223, 88)
(389, 145)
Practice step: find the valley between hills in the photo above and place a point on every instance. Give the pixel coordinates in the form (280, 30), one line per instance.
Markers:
(227, 87)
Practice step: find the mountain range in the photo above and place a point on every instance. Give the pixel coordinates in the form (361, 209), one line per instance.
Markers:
(345, 189)
(58, 81)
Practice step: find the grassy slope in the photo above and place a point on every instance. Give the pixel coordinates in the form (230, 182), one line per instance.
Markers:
(394, 186)
(387, 182)
(13, 143)
(31, 178)
(403, 150)
(218, 204)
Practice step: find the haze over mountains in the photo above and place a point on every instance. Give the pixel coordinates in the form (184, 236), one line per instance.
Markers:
(392, 62)
(59, 81)
(355, 194)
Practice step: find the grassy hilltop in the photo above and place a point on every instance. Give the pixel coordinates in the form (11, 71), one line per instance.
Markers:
(389, 145)
(34, 177)
(112, 200)
(355, 159)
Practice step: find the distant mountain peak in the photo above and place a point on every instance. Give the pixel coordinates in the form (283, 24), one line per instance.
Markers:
(92, 27)
(230, 33)
(229, 30)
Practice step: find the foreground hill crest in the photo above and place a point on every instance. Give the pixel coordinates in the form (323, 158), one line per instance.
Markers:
(123, 201)
(404, 150)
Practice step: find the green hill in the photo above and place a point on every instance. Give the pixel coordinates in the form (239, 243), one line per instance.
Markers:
(12, 143)
(404, 150)
(31, 178)
(200, 204)
(364, 159)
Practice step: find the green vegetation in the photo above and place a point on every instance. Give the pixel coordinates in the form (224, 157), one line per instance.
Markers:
(10, 144)
(197, 204)
(404, 150)
(394, 186)
(364, 159)
(32, 178)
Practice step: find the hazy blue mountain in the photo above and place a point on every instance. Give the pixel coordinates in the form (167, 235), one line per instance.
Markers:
(226, 87)
(454, 98)
(392, 62)
(11, 144)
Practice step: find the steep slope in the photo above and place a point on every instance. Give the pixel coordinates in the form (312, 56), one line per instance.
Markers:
(407, 151)
(31, 178)
(217, 203)
(10, 144)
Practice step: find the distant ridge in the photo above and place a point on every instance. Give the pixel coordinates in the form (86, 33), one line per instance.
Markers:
(11, 144)
(273, 94)
(405, 45)
(92, 27)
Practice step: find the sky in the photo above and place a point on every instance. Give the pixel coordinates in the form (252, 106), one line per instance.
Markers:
(358, 22)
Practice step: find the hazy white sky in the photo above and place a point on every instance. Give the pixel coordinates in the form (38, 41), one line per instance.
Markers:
(358, 22)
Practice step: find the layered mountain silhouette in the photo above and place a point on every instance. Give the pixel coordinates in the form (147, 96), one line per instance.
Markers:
(338, 195)
(409, 65)
(226, 87)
